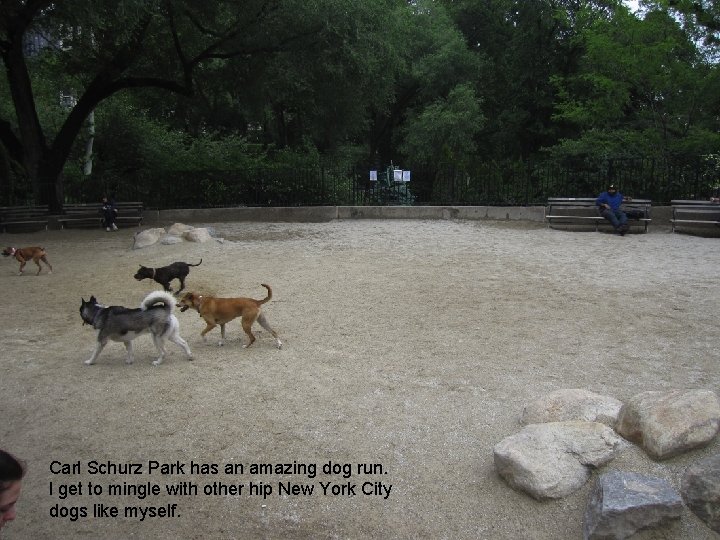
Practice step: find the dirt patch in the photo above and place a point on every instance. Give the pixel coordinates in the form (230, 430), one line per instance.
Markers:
(410, 349)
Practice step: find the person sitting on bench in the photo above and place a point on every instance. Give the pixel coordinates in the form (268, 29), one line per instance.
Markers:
(109, 214)
(608, 203)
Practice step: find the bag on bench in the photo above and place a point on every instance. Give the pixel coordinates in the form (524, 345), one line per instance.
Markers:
(635, 214)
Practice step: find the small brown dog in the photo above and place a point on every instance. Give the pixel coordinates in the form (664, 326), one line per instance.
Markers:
(23, 255)
(223, 310)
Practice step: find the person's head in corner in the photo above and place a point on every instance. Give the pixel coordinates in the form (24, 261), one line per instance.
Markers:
(11, 475)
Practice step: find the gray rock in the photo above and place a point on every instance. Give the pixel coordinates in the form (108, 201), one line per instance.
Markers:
(169, 240)
(701, 490)
(147, 237)
(552, 460)
(623, 503)
(666, 424)
(177, 229)
(572, 404)
(197, 235)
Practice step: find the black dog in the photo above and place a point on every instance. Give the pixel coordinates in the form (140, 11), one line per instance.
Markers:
(164, 275)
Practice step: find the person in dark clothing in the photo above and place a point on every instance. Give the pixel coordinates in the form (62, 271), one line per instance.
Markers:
(109, 213)
(11, 475)
(608, 203)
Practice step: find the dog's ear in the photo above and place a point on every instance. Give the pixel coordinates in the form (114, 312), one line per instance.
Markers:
(92, 300)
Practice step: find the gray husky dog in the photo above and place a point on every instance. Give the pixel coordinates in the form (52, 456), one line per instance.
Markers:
(119, 323)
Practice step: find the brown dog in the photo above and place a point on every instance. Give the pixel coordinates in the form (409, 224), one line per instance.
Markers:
(223, 310)
(23, 255)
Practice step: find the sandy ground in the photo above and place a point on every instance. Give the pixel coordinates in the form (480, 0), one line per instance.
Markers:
(410, 349)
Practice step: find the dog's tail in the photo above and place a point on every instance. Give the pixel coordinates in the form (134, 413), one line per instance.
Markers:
(198, 264)
(156, 297)
(268, 297)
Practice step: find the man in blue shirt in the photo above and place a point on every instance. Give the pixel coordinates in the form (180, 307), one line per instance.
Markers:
(608, 204)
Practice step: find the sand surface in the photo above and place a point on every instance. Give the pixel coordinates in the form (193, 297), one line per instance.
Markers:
(410, 348)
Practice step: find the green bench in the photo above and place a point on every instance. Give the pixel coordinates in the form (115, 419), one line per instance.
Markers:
(24, 218)
(694, 214)
(583, 211)
(89, 215)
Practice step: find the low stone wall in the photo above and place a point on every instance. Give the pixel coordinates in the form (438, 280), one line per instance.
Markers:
(301, 214)
(530, 213)
(318, 214)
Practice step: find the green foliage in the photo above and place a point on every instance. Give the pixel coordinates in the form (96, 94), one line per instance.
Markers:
(237, 100)
(700, 18)
(642, 89)
(604, 144)
(711, 173)
(131, 148)
(443, 130)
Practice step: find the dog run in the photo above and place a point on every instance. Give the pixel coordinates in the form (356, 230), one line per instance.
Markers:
(409, 351)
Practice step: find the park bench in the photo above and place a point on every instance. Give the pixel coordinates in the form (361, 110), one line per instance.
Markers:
(695, 214)
(24, 217)
(583, 211)
(88, 214)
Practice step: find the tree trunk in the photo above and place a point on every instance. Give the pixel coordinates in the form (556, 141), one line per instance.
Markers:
(88, 165)
(50, 183)
(31, 134)
(5, 191)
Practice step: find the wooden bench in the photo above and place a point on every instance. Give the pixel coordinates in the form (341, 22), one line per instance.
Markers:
(695, 214)
(583, 211)
(89, 215)
(24, 217)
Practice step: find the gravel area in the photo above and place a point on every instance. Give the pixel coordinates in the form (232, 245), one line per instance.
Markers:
(410, 348)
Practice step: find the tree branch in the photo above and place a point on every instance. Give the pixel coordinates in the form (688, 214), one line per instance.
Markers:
(186, 66)
(15, 17)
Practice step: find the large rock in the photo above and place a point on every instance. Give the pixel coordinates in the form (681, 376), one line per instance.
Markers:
(148, 237)
(178, 229)
(701, 490)
(197, 235)
(623, 503)
(666, 424)
(552, 460)
(169, 240)
(572, 404)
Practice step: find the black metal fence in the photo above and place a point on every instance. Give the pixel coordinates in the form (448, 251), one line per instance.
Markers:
(528, 183)
(498, 184)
